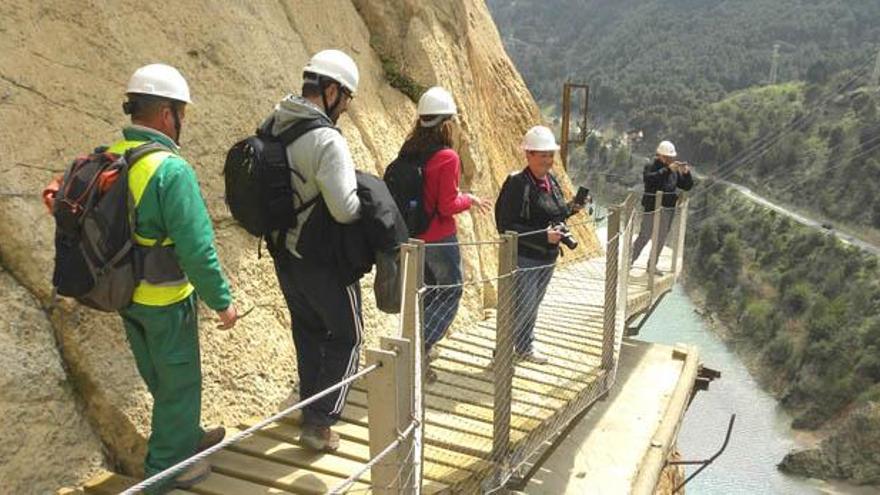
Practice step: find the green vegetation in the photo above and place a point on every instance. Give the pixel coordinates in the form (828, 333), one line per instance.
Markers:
(394, 73)
(652, 61)
(799, 300)
(827, 161)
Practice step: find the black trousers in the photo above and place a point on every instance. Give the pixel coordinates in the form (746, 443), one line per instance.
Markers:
(327, 326)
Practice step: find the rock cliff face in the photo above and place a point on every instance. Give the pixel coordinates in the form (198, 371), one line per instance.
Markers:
(62, 76)
(849, 453)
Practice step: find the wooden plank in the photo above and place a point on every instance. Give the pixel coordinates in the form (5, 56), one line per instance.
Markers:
(575, 342)
(522, 372)
(576, 352)
(219, 484)
(549, 373)
(462, 382)
(440, 465)
(442, 418)
(560, 355)
(216, 484)
(107, 483)
(441, 435)
(293, 454)
(538, 411)
(558, 365)
(471, 370)
(285, 477)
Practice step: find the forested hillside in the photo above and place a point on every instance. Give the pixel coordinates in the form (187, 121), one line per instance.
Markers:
(813, 145)
(652, 61)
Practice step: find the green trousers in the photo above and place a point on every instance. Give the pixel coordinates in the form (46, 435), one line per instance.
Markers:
(165, 344)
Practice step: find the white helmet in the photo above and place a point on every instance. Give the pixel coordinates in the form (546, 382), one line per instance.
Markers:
(337, 66)
(437, 101)
(159, 80)
(666, 148)
(539, 138)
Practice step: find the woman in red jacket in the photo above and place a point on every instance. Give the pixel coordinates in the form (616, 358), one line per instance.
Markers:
(432, 137)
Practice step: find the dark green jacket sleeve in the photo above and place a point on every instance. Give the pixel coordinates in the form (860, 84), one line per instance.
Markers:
(187, 224)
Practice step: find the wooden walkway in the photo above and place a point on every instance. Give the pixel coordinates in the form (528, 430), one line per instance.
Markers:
(459, 407)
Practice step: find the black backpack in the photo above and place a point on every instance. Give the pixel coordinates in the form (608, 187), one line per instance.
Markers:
(405, 178)
(95, 258)
(259, 191)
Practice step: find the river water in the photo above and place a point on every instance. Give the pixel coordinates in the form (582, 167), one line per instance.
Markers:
(761, 435)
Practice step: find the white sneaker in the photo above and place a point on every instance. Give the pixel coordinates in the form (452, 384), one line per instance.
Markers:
(534, 356)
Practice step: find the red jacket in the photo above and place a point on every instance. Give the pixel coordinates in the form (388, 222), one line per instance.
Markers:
(442, 174)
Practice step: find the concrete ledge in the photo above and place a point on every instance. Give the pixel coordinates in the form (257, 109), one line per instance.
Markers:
(622, 443)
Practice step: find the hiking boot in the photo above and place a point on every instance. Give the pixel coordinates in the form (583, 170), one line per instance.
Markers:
(319, 438)
(533, 356)
(196, 473)
(211, 438)
(430, 376)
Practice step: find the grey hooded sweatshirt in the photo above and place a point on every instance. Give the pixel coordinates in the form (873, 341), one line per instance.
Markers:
(322, 159)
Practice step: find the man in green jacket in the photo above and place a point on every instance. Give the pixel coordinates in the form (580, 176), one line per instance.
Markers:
(162, 322)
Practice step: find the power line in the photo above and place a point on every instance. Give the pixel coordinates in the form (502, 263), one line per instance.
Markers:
(767, 142)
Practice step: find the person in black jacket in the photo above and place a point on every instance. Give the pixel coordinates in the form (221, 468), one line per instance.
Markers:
(531, 203)
(667, 176)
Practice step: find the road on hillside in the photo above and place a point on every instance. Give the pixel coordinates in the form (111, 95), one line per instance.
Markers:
(809, 222)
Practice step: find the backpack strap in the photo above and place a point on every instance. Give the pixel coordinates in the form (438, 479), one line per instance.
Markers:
(422, 162)
(297, 130)
(132, 155)
(287, 137)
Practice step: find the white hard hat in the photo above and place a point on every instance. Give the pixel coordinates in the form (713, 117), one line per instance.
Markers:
(539, 138)
(437, 101)
(159, 80)
(666, 148)
(337, 66)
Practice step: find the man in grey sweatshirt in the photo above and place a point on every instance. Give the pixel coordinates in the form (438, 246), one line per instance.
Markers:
(325, 311)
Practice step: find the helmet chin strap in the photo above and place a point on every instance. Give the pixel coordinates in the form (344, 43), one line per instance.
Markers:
(331, 109)
(176, 116)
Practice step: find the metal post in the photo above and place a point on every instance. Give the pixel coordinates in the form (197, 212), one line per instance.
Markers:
(628, 221)
(566, 119)
(655, 249)
(678, 257)
(411, 317)
(390, 406)
(503, 365)
(612, 260)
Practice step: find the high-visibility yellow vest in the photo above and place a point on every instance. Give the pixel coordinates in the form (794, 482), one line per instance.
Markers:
(139, 175)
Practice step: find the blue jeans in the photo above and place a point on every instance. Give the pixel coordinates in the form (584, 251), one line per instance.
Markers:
(442, 268)
(530, 286)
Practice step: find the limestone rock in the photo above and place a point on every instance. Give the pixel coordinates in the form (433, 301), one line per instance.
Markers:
(62, 79)
(848, 453)
(42, 420)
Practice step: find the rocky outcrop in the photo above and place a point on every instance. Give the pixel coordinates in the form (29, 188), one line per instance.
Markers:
(61, 83)
(849, 453)
(42, 418)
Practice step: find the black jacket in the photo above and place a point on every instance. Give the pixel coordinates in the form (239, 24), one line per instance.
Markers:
(522, 207)
(351, 249)
(659, 177)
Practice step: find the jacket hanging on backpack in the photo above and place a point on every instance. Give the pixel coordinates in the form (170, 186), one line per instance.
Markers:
(352, 249)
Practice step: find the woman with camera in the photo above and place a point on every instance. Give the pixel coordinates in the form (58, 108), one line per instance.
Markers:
(531, 203)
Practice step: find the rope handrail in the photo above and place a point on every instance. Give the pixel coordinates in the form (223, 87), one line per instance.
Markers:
(147, 483)
(381, 455)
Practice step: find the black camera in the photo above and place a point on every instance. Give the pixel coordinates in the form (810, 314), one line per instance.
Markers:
(567, 237)
(583, 194)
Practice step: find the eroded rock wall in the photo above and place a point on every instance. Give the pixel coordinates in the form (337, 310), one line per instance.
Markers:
(62, 74)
